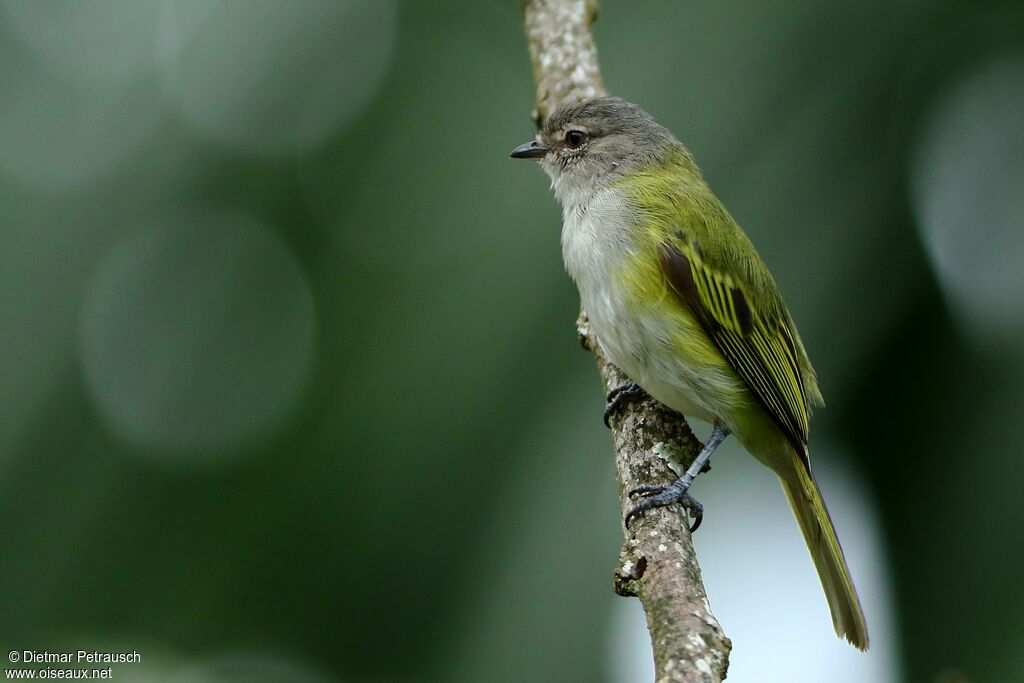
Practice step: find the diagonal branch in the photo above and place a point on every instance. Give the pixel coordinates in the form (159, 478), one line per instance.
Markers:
(657, 562)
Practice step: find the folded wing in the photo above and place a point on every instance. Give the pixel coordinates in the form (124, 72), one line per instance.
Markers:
(759, 344)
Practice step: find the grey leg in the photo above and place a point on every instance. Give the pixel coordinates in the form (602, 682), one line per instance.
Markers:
(677, 491)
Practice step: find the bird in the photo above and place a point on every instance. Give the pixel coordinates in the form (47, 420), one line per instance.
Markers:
(682, 303)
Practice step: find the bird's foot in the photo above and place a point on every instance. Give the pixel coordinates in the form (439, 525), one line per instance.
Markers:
(668, 494)
(620, 396)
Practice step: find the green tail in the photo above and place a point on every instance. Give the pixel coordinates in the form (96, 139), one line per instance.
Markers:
(820, 535)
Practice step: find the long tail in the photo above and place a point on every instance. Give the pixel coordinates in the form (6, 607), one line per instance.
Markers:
(816, 525)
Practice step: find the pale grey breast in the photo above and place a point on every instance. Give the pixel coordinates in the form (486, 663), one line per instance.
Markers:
(596, 239)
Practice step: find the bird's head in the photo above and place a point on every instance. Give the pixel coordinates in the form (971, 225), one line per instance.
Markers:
(587, 145)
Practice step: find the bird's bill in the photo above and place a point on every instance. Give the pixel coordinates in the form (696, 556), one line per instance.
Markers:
(529, 150)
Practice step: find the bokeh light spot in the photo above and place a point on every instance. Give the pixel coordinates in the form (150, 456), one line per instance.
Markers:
(98, 43)
(967, 179)
(197, 335)
(61, 136)
(271, 76)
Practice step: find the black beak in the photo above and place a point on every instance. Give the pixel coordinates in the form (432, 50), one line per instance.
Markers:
(530, 150)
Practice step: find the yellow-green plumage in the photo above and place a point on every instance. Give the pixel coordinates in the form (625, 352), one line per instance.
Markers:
(681, 301)
(680, 216)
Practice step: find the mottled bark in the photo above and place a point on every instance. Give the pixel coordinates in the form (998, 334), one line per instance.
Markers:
(657, 563)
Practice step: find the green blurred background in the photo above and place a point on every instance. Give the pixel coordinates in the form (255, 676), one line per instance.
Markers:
(290, 384)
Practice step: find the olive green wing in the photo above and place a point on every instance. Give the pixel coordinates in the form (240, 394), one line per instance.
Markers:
(757, 340)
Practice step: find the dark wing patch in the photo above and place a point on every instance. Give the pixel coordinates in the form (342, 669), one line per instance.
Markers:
(758, 346)
(744, 316)
(679, 272)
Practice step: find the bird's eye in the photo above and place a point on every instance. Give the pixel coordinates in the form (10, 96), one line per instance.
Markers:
(574, 139)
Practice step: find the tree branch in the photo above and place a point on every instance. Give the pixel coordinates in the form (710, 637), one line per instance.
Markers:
(657, 562)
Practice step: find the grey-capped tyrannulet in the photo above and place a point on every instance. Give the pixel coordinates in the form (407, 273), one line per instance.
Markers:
(682, 303)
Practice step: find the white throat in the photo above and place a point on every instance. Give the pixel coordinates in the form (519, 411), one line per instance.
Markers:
(596, 225)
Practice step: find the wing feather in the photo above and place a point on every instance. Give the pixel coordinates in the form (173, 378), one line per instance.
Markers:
(758, 345)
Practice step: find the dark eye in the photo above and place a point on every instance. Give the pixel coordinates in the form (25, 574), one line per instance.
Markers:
(574, 139)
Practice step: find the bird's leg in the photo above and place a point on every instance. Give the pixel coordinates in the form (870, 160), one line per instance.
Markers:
(618, 397)
(677, 491)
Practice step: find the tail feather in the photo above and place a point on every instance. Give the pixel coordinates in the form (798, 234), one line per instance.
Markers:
(823, 544)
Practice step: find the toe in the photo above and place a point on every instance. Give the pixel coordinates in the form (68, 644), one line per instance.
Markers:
(698, 517)
(608, 412)
(695, 509)
(646, 490)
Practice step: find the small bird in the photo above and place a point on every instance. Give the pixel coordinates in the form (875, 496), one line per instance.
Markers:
(681, 302)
